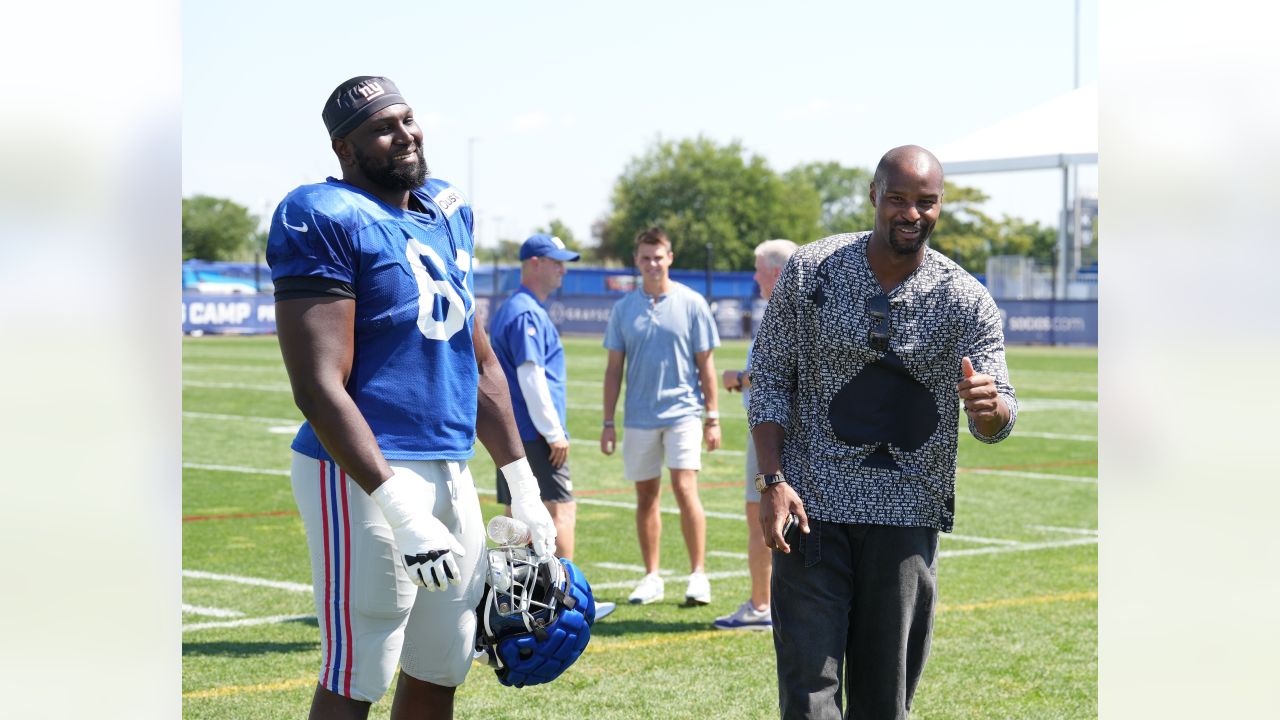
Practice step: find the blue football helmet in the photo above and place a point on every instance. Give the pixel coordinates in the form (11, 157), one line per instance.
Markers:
(534, 618)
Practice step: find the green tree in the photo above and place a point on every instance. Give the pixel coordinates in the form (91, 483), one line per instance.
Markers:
(1015, 236)
(701, 192)
(843, 192)
(1089, 253)
(507, 253)
(217, 229)
(556, 228)
(964, 233)
(969, 236)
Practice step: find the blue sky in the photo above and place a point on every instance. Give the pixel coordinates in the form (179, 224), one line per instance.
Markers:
(553, 99)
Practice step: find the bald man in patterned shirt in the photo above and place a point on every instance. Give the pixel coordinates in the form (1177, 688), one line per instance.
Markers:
(868, 350)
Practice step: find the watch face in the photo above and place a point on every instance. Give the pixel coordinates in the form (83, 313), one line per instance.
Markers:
(763, 481)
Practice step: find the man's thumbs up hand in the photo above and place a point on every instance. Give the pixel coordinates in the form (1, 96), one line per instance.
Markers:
(978, 393)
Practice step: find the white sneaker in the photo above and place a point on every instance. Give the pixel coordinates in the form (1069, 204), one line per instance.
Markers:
(649, 590)
(603, 609)
(746, 617)
(699, 591)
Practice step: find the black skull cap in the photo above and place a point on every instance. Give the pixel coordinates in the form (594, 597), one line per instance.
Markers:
(355, 100)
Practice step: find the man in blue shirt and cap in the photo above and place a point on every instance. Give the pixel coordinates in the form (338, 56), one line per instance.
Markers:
(532, 358)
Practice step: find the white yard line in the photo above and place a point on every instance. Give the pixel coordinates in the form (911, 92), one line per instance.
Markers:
(628, 568)
(632, 506)
(1003, 546)
(271, 620)
(667, 510)
(241, 580)
(722, 553)
(281, 387)
(1030, 475)
(210, 612)
(1022, 547)
(1069, 531)
(1038, 404)
(1054, 436)
(244, 418)
(976, 539)
(232, 368)
(235, 469)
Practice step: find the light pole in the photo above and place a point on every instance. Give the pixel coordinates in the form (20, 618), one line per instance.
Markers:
(709, 249)
(471, 171)
(258, 245)
(497, 245)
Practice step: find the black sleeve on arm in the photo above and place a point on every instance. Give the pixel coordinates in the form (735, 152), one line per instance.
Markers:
(292, 288)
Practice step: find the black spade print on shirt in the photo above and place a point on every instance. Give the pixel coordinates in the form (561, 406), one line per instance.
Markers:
(882, 406)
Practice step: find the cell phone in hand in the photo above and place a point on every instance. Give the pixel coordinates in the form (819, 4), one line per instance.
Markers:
(788, 526)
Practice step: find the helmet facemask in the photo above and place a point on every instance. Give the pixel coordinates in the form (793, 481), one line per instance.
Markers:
(534, 617)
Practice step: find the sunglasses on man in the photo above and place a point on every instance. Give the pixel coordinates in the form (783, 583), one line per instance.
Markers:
(878, 335)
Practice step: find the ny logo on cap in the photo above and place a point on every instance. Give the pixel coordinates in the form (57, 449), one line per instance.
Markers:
(370, 90)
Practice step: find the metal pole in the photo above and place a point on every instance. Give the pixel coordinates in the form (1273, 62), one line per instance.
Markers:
(259, 248)
(1076, 48)
(497, 243)
(1060, 291)
(1075, 175)
(471, 171)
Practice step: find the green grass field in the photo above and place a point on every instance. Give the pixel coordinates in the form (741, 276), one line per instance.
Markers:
(1015, 637)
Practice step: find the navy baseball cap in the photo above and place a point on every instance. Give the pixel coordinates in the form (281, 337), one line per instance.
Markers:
(543, 245)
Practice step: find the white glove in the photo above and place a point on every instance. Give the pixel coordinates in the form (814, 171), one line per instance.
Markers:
(427, 546)
(527, 507)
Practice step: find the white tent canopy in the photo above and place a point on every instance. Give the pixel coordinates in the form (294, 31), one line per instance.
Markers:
(1060, 133)
(1057, 133)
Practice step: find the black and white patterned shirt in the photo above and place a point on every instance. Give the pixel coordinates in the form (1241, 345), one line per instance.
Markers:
(871, 436)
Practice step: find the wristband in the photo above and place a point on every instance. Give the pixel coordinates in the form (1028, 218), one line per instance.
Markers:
(608, 423)
(397, 497)
(520, 479)
(713, 415)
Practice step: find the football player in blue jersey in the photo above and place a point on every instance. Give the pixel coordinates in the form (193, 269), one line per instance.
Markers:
(375, 317)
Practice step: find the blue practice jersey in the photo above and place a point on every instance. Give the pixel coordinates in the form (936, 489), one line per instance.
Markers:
(414, 374)
(521, 331)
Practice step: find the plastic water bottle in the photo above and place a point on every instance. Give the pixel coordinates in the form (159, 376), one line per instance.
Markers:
(499, 572)
(508, 531)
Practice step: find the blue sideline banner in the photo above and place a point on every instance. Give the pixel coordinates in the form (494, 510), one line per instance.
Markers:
(728, 314)
(581, 315)
(227, 314)
(1049, 322)
(1026, 322)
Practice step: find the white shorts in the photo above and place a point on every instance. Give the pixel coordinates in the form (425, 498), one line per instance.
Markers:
(643, 449)
(370, 613)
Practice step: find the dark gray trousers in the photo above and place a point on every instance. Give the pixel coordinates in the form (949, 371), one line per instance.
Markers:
(852, 616)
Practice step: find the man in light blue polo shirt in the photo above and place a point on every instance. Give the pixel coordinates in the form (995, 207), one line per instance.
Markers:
(664, 334)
